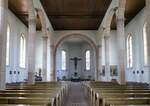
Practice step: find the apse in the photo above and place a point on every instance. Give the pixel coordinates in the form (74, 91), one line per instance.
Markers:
(75, 60)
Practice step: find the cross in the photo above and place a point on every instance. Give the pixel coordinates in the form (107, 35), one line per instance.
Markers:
(75, 59)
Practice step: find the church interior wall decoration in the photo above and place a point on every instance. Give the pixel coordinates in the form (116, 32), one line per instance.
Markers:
(103, 71)
(113, 70)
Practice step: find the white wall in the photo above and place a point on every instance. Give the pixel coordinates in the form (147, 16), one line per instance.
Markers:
(38, 51)
(39, 54)
(59, 72)
(21, 74)
(75, 50)
(112, 53)
(86, 73)
(92, 34)
(135, 28)
(16, 29)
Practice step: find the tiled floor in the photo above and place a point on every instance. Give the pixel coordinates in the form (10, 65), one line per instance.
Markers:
(76, 96)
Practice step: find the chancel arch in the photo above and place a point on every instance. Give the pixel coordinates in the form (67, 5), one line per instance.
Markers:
(73, 40)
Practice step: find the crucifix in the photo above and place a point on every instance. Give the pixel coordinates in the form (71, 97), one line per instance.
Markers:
(75, 59)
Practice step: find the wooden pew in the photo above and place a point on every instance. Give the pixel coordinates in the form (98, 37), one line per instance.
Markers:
(27, 101)
(101, 97)
(131, 105)
(41, 85)
(52, 95)
(97, 93)
(19, 105)
(125, 101)
(45, 94)
(35, 94)
(100, 92)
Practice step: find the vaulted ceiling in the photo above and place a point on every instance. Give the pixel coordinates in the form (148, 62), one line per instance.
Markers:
(75, 14)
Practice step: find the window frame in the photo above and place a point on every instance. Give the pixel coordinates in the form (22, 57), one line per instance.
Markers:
(8, 45)
(63, 62)
(86, 67)
(22, 51)
(129, 50)
(145, 49)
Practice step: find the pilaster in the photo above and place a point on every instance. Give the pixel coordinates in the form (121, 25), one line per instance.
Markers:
(3, 40)
(107, 56)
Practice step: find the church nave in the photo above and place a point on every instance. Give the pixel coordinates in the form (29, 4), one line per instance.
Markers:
(74, 52)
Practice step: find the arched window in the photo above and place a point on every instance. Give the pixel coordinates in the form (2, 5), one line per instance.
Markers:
(7, 45)
(129, 51)
(22, 51)
(145, 45)
(87, 59)
(63, 60)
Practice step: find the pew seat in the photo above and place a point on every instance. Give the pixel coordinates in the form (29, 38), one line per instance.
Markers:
(19, 105)
(131, 105)
(27, 100)
(125, 101)
(113, 94)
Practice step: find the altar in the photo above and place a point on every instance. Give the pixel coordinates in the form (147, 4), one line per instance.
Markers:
(75, 77)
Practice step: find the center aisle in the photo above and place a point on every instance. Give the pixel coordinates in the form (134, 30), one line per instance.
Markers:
(76, 96)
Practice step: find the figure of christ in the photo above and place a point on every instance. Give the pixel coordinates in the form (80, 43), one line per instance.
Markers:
(75, 59)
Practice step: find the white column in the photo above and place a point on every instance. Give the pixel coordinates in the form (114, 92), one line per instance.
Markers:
(44, 64)
(148, 33)
(121, 49)
(31, 42)
(3, 37)
(107, 57)
(99, 61)
(53, 63)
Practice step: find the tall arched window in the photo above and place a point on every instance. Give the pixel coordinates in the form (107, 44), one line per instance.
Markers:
(63, 60)
(145, 45)
(22, 51)
(87, 59)
(129, 51)
(7, 45)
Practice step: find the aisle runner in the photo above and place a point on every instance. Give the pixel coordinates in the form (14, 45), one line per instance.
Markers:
(76, 97)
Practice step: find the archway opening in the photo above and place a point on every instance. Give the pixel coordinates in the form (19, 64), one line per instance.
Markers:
(75, 58)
